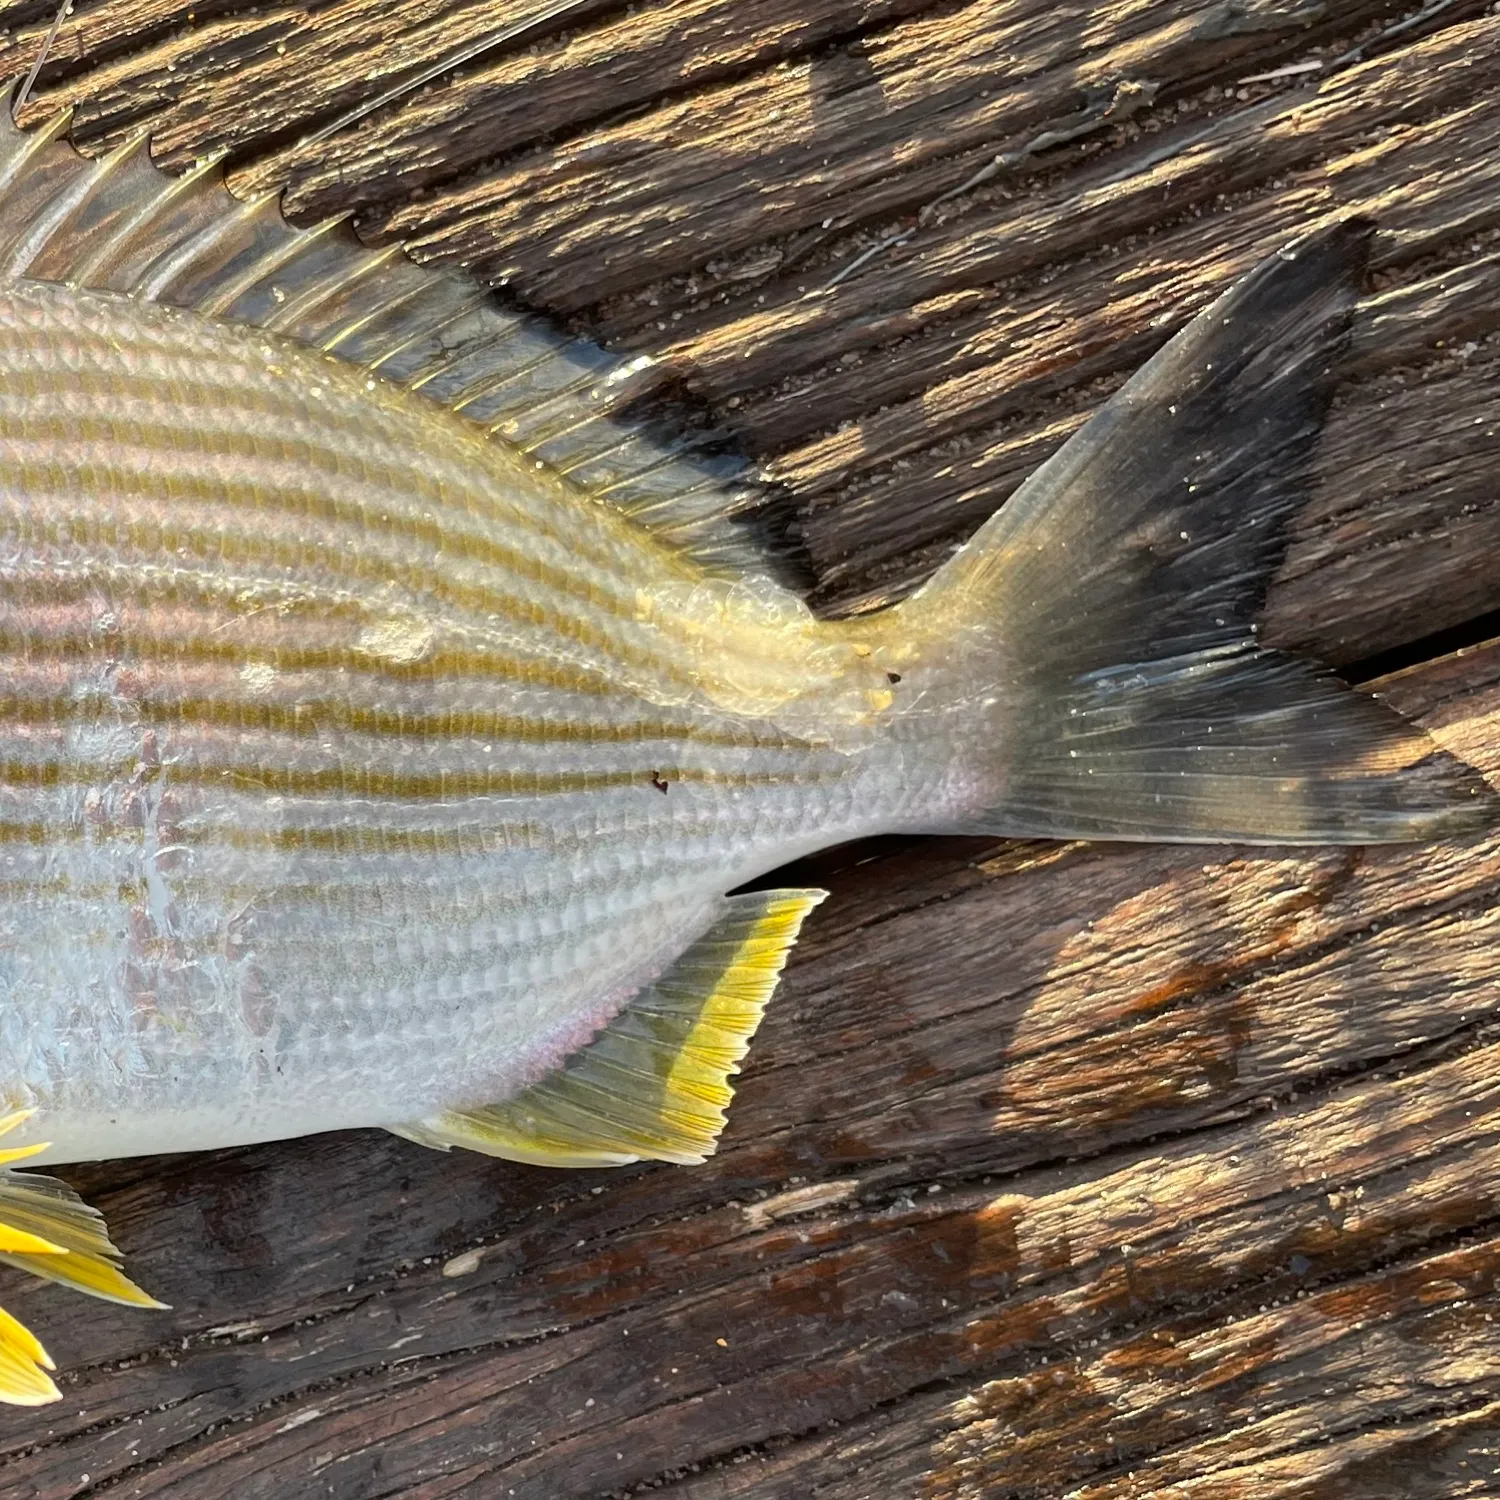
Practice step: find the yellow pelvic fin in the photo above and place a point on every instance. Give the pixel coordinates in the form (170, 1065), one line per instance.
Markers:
(48, 1230)
(654, 1084)
(23, 1366)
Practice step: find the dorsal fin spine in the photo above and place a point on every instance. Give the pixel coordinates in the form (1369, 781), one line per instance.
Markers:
(36, 140)
(172, 267)
(100, 268)
(137, 147)
(24, 251)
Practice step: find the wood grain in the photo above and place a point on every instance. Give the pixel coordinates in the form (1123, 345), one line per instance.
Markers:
(1097, 1171)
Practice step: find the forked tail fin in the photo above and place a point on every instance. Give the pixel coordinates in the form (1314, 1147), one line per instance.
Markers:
(1104, 677)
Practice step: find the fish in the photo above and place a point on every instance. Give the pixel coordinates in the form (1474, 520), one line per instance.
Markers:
(397, 728)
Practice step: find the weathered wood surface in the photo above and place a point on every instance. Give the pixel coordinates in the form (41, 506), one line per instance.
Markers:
(1102, 1171)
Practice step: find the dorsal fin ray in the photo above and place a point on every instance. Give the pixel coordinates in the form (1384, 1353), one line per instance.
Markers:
(119, 224)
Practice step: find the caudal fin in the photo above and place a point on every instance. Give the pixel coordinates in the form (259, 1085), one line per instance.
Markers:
(1106, 681)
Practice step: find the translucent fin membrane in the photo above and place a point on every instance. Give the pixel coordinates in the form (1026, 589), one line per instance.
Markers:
(1242, 745)
(118, 224)
(655, 1082)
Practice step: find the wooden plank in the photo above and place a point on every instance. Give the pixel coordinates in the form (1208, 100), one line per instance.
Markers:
(1100, 1171)
(854, 134)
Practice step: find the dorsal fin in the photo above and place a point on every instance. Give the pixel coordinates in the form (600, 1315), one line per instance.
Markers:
(654, 1084)
(118, 223)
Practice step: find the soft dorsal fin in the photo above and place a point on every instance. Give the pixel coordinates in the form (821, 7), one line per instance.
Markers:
(118, 223)
(654, 1084)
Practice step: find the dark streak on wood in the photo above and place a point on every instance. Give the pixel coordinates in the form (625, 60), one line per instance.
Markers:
(1104, 1171)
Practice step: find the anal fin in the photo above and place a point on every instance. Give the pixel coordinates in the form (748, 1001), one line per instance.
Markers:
(654, 1084)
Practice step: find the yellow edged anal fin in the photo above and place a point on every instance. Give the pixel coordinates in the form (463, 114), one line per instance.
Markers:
(654, 1084)
(48, 1230)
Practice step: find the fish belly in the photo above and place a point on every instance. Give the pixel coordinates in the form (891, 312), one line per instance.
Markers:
(349, 770)
(160, 998)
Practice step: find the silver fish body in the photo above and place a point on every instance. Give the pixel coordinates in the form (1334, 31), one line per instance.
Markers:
(353, 768)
